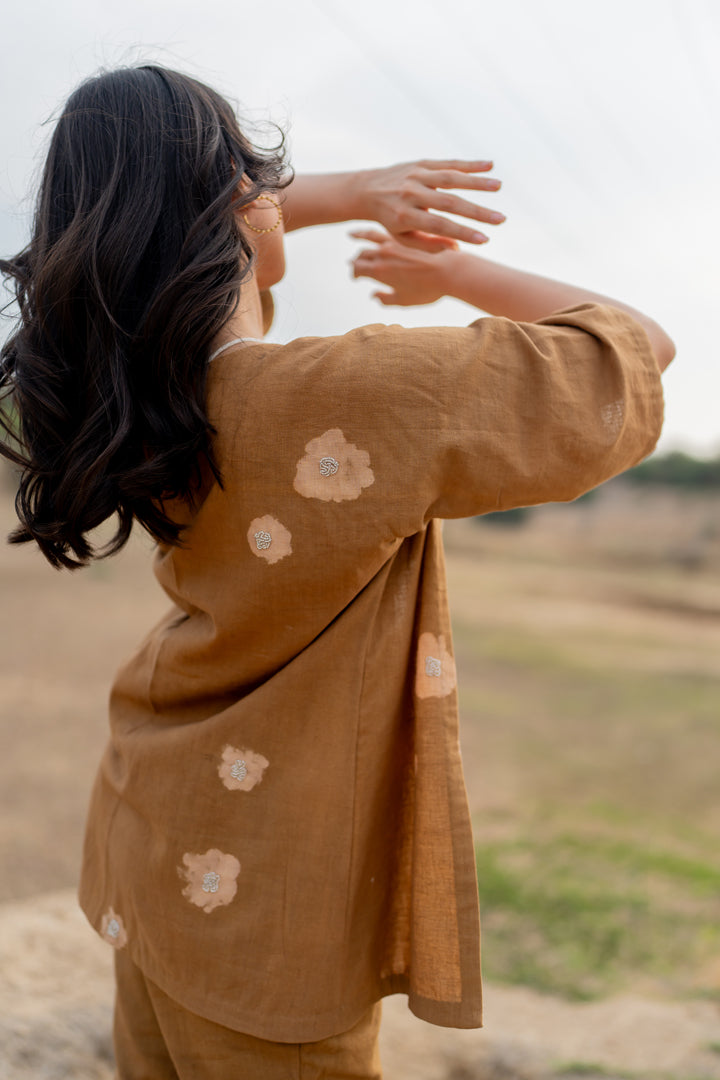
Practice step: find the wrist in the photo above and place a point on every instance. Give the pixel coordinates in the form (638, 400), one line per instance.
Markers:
(462, 276)
(324, 198)
(357, 196)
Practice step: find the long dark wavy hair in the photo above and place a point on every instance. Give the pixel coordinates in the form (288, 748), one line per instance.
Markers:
(136, 261)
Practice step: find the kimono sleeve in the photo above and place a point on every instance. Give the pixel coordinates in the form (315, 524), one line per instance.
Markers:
(464, 421)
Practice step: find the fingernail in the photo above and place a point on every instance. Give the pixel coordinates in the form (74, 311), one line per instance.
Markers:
(494, 185)
(497, 218)
(479, 238)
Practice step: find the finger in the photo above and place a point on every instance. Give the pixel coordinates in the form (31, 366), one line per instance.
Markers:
(439, 226)
(453, 204)
(452, 178)
(362, 266)
(385, 297)
(376, 236)
(425, 242)
(374, 255)
(457, 164)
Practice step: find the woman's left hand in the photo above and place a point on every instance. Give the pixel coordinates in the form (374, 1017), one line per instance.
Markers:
(402, 198)
(412, 277)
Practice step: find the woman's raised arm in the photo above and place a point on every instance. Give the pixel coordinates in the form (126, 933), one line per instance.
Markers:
(409, 200)
(414, 277)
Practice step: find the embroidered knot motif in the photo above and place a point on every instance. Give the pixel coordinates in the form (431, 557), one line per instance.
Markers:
(435, 675)
(268, 539)
(433, 667)
(210, 881)
(328, 466)
(112, 929)
(238, 770)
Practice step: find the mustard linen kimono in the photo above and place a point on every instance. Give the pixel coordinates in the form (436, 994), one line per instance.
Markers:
(279, 832)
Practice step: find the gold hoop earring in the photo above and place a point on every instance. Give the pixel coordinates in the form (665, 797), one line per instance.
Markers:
(276, 204)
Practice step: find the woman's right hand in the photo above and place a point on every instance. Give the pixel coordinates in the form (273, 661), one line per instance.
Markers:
(413, 276)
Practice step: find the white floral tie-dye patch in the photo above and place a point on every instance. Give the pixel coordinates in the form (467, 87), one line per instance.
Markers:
(211, 878)
(112, 929)
(333, 469)
(241, 770)
(269, 539)
(435, 674)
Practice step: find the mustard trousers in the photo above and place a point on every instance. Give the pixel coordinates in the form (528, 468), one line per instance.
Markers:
(156, 1039)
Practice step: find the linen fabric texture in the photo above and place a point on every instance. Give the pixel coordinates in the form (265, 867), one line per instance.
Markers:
(279, 831)
(156, 1039)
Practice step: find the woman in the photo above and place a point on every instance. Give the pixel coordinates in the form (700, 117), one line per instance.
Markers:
(278, 835)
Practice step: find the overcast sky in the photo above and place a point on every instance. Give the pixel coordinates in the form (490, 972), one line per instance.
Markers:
(603, 120)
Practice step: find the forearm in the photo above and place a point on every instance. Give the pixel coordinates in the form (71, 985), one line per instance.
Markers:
(322, 199)
(525, 297)
(411, 200)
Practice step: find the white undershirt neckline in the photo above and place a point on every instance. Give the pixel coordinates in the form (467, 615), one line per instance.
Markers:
(235, 341)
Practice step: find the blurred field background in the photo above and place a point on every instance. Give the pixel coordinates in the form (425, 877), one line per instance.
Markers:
(588, 645)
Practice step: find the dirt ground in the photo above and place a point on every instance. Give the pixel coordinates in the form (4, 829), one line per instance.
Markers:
(56, 1001)
(64, 634)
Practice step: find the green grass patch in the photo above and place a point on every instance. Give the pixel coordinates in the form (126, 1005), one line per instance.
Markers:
(584, 916)
(588, 1070)
(594, 782)
(588, 667)
(566, 731)
(591, 1071)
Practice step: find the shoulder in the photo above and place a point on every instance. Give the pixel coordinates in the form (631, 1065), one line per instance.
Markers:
(359, 363)
(375, 370)
(375, 339)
